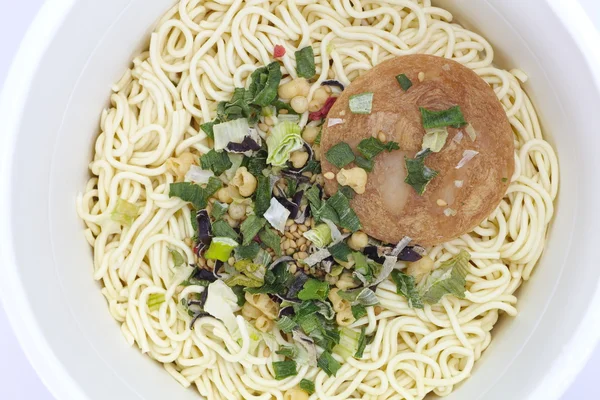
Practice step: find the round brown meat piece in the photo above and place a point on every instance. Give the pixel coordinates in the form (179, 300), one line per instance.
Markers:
(390, 208)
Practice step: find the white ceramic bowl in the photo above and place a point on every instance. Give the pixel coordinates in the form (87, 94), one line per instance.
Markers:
(50, 111)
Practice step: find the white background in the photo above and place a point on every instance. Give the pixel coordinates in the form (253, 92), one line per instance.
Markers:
(17, 378)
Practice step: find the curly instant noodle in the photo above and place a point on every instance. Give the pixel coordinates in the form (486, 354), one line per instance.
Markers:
(199, 52)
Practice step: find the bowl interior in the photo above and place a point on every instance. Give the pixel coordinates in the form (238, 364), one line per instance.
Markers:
(59, 124)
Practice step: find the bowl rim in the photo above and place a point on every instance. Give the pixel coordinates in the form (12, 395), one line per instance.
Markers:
(13, 98)
(578, 350)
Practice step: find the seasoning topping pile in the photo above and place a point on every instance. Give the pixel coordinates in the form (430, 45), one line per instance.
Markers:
(270, 245)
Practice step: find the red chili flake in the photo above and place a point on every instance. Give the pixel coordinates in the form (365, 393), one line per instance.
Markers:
(322, 113)
(279, 51)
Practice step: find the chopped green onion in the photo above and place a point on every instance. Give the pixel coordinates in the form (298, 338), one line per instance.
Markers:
(361, 103)
(340, 251)
(348, 345)
(404, 82)
(360, 263)
(216, 162)
(326, 338)
(313, 166)
(239, 292)
(223, 229)
(292, 186)
(220, 249)
(418, 174)
(405, 286)
(325, 309)
(452, 117)
(328, 364)
(264, 84)
(262, 258)
(284, 139)
(319, 208)
(347, 191)
(218, 210)
(320, 235)
(194, 222)
(305, 62)
(276, 280)
(286, 324)
(250, 228)
(449, 278)
(178, 259)
(155, 300)
(309, 323)
(207, 128)
(318, 138)
(238, 107)
(345, 214)
(314, 289)
(262, 195)
(363, 296)
(284, 369)
(382, 271)
(340, 155)
(307, 386)
(362, 343)
(358, 311)
(288, 351)
(247, 252)
(326, 212)
(363, 163)
(306, 308)
(124, 212)
(257, 163)
(195, 194)
(271, 239)
(371, 147)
